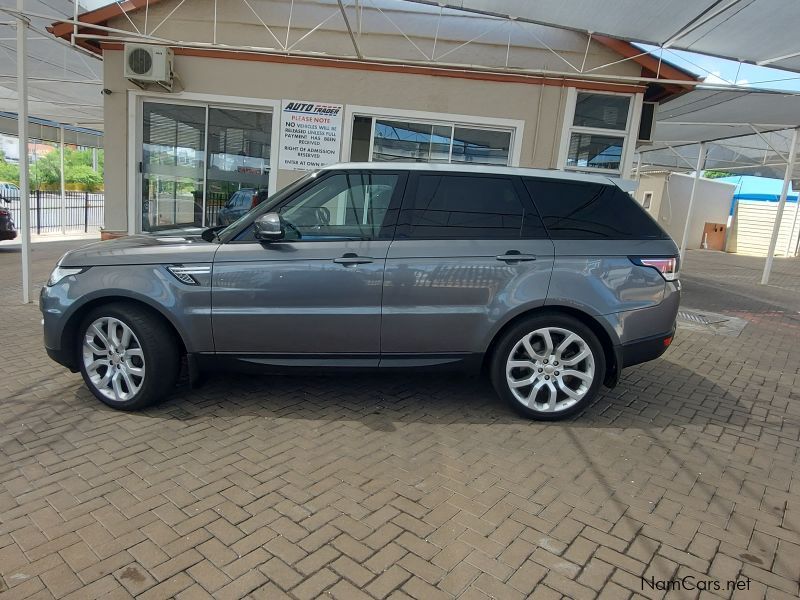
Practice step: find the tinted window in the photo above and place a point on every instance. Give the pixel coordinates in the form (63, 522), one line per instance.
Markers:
(576, 210)
(466, 207)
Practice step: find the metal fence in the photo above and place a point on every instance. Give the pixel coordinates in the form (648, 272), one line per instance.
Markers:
(81, 211)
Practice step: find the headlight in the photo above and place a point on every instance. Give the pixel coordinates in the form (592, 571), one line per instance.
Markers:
(60, 272)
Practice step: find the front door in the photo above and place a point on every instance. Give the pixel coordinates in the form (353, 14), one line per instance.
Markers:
(318, 292)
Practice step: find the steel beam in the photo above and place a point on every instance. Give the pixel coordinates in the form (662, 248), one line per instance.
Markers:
(701, 159)
(776, 227)
(22, 123)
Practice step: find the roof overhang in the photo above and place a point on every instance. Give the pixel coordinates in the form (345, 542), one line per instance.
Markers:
(746, 132)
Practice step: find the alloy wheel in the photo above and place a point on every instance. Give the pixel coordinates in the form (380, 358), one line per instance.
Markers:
(113, 359)
(550, 369)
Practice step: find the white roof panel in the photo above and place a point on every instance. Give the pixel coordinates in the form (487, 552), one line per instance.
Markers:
(754, 31)
(748, 131)
(64, 83)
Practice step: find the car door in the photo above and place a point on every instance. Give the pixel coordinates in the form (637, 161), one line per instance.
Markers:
(317, 292)
(469, 251)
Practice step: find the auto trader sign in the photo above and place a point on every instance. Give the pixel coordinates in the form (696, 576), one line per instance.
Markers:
(310, 134)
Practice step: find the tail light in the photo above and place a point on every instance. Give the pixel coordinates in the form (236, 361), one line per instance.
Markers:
(666, 266)
(4, 213)
(254, 201)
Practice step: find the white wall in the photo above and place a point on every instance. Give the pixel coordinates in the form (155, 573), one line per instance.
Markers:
(712, 204)
(752, 228)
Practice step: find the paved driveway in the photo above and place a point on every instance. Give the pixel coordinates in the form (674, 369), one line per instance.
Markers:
(409, 485)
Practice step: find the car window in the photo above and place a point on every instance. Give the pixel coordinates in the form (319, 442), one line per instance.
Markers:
(466, 207)
(579, 210)
(344, 205)
(243, 198)
(352, 205)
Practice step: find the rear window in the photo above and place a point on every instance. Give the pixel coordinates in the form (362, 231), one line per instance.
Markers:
(579, 210)
(467, 208)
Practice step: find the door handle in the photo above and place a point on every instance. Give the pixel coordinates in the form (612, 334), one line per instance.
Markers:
(515, 256)
(353, 259)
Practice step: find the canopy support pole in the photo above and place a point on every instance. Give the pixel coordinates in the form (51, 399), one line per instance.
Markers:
(61, 169)
(701, 161)
(22, 124)
(776, 227)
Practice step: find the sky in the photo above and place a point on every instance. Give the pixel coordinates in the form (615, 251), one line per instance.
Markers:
(719, 70)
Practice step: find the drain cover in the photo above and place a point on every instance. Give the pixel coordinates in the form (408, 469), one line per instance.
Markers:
(701, 320)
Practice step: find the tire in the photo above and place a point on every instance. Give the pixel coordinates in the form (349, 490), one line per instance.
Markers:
(148, 367)
(538, 373)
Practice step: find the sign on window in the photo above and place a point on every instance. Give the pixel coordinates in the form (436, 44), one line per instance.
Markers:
(310, 135)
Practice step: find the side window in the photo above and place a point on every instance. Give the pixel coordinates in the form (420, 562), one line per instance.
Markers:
(466, 207)
(579, 210)
(346, 205)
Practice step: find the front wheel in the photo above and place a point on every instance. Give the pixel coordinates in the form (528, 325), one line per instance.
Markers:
(548, 367)
(128, 359)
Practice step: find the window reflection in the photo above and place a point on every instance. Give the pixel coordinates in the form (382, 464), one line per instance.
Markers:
(427, 142)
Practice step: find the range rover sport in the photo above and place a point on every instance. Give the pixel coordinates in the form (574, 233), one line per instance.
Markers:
(552, 282)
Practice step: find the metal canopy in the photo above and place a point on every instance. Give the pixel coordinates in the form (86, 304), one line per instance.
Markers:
(760, 32)
(64, 81)
(746, 132)
(750, 132)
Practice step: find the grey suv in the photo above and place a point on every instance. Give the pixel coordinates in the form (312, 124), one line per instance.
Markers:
(551, 282)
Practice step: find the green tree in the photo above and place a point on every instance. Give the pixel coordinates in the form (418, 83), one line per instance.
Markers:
(78, 171)
(8, 172)
(717, 174)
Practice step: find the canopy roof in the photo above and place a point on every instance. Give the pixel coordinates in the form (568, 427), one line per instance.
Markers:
(750, 131)
(64, 83)
(761, 32)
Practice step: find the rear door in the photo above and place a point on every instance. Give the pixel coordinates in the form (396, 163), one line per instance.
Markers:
(469, 249)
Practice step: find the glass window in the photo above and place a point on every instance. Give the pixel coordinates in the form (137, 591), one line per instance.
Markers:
(577, 210)
(342, 206)
(602, 111)
(173, 160)
(481, 146)
(589, 150)
(238, 157)
(411, 141)
(407, 141)
(185, 182)
(362, 131)
(463, 207)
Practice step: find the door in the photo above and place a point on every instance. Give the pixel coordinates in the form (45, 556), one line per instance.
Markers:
(173, 165)
(318, 292)
(468, 251)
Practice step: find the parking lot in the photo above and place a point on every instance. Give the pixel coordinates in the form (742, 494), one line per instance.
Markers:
(423, 486)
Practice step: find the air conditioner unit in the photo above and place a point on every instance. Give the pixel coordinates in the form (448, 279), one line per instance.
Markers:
(647, 124)
(149, 64)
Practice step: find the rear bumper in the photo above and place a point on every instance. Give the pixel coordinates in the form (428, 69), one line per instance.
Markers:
(643, 350)
(8, 234)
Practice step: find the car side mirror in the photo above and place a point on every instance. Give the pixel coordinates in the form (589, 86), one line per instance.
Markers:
(269, 228)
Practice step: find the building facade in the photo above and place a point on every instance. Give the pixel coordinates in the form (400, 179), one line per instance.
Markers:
(174, 158)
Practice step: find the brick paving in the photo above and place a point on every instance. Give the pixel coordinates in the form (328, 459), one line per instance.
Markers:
(411, 487)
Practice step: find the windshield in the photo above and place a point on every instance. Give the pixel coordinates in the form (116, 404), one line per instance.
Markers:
(225, 234)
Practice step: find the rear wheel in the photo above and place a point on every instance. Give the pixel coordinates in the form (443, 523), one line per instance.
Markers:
(548, 367)
(128, 359)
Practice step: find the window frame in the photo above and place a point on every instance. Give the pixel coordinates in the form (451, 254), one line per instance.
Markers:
(403, 228)
(386, 232)
(136, 99)
(513, 126)
(627, 134)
